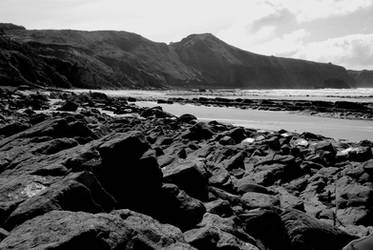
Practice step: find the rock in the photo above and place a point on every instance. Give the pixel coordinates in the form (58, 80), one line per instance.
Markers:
(365, 243)
(176, 207)
(258, 200)
(57, 145)
(122, 229)
(188, 175)
(219, 233)
(267, 228)
(77, 192)
(237, 134)
(13, 128)
(199, 131)
(134, 180)
(221, 178)
(187, 118)
(155, 112)
(219, 207)
(306, 232)
(69, 106)
(235, 162)
(227, 140)
(246, 184)
(360, 154)
(3, 234)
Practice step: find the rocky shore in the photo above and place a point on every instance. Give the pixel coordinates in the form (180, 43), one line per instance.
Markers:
(337, 109)
(73, 177)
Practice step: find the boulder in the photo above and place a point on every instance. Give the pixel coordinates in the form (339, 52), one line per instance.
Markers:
(176, 207)
(122, 229)
(77, 192)
(306, 232)
(219, 233)
(267, 228)
(365, 243)
(259, 200)
(69, 106)
(199, 131)
(187, 118)
(132, 177)
(189, 175)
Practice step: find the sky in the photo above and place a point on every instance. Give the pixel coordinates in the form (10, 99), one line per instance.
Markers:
(336, 31)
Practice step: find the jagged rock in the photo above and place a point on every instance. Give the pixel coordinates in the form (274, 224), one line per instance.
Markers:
(13, 128)
(266, 227)
(246, 184)
(77, 192)
(3, 234)
(70, 106)
(365, 243)
(219, 233)
(133, 179)
(188, 175)
(199, 131)
(306, 232)
(122, 229)
(259, 200)
(219, 207)
(176, 207)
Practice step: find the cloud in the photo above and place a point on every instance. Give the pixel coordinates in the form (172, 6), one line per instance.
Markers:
(316, 9)
(352, 51)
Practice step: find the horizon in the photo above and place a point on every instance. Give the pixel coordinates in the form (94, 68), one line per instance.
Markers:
(335, 31)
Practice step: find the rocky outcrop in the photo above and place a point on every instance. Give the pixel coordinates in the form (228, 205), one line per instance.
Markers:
(149, 180)
(118, 59)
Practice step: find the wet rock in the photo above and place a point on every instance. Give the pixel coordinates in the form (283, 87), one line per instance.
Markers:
(69, 106)
(365, 243)
(188, 118)
(176, 207)
(306, 232)
(199, 131)
(13, 128)
(191, 176)
(78, 192)
(258, 200)
(219, 233)
(126, 174)
(3, 234)
(246, 184)
(266, 227)
(219, 207)
(80, 230)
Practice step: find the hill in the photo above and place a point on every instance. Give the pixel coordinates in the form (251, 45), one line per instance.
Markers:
(118, 59)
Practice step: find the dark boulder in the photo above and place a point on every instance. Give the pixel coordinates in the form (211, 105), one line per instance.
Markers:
(122, 229)
(13, 128)
(266, 226)
(215, 232)
(191, 176)
(308, 233)
(199, 131)
(176, 207)
(69, 106)
(188, 118)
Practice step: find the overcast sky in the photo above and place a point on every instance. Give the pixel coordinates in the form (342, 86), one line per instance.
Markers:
(337, 31)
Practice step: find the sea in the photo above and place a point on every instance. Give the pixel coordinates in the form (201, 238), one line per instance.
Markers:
(341, 129)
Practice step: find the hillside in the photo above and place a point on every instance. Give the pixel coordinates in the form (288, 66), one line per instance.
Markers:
(363, 78)
(118, 59)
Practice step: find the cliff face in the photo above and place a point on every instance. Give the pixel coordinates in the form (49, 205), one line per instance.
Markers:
(363, 78)
(113, 59)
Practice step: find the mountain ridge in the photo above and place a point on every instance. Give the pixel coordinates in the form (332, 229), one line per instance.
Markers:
(120, 59)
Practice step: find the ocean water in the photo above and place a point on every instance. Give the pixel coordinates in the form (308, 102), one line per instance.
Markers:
(351, 130)
(358, 94)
